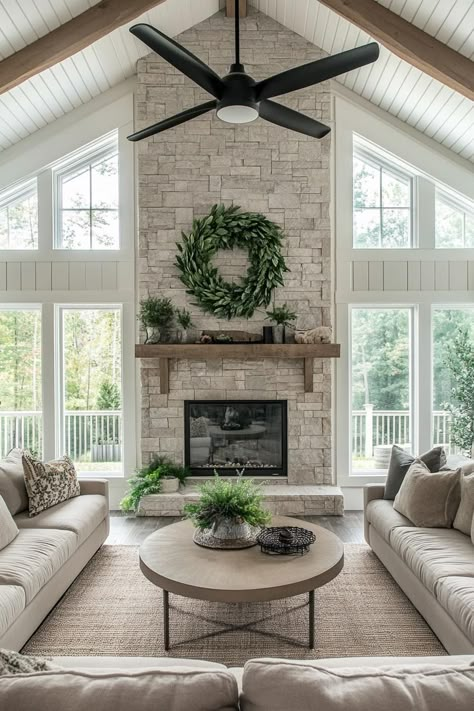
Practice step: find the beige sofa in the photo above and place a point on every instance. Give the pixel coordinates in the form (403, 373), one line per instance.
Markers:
(153, 684)
(433, 566)
(51, 549)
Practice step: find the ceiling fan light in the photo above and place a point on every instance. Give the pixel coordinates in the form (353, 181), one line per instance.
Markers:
(237, 113)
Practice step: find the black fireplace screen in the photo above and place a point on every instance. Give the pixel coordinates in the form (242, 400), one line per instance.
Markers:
(231, 435)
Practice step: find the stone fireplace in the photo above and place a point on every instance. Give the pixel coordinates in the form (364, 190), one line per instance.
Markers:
(263, 168)
(233, 436)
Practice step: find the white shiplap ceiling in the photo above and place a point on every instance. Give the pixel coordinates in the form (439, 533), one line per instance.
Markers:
(390, 83)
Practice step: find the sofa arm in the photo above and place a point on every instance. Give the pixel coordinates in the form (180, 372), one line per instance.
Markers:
(95, 486)
(371, 493)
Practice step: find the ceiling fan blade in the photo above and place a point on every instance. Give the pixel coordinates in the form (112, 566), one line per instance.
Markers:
(179, 57)
(315, 72)
(182, 117)
(283, 116)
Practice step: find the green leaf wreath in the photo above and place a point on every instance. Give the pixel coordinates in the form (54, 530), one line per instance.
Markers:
(225, 228)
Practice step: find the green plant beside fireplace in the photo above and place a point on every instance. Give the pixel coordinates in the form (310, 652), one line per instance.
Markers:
(149, 480)
(239, 500)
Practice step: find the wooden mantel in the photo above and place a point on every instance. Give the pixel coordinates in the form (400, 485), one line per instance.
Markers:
(240, 351)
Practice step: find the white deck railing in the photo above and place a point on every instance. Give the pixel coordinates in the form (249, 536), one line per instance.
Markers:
(371, 428)
(89, 436)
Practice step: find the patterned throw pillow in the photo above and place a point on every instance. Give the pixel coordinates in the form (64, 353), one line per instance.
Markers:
(199, 427)
(49, 483)
(16, 663)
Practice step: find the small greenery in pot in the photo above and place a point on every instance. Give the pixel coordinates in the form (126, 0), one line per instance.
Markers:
(228, 508)
(156, 316)
(185, 321)
(155, 478)
(283, 317)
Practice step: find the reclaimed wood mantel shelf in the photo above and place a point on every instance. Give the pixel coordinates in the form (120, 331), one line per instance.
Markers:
(240, 351)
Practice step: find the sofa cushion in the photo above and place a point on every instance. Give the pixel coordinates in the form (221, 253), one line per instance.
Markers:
(383, 517)
(34, 557)
(456, 595)
(12, 603)
(465, 512)
(49, 483)
(168, 689)
(81, 515)
(278, 685)
(434, 553)
(12, 482)
(17, 663)
(8, 527)
(401, 461)
(429, 499)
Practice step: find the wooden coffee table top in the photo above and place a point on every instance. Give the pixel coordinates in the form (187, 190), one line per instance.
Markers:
(171, 560)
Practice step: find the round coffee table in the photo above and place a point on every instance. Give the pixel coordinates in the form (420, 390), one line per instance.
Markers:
(172, 561)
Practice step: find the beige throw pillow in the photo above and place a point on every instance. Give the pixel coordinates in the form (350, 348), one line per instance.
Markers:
(49, 483)
(463, 520)
(429, 499)
(12, 482)
(8, 528)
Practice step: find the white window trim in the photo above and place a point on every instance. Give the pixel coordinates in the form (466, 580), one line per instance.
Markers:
(13, 195)
(107, 147)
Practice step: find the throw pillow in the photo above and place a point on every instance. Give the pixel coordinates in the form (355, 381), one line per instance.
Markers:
(401, 461)
(16, 663)
(429, 499)
(49, 483)
(8, 527)
(465, 513)
(12, 482)
(199, 427)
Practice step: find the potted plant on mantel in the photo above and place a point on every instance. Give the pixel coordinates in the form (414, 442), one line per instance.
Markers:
(283, 317)
(156, 316)
(185, 322)
(161, 476)
(229, 513)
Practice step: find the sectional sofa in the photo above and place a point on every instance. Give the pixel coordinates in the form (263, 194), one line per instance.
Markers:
(51, 549)
(433, 566)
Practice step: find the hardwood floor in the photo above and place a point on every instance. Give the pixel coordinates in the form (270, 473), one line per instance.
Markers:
(129, 530)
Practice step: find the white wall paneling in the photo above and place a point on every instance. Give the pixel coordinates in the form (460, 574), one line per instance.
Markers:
(395, 276)
(13, 276)
(376, 278)
(43, 276)
(360, 276)
(28, 276)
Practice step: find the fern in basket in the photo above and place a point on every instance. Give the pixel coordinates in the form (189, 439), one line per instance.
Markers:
(240, 500)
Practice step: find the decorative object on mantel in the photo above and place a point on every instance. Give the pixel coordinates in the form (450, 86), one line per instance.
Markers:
(184, 320)
(283, 317)
(290, 540)
(160, 476)
(156, 316)
(223, 337)
(229, 514)
(196, 351)
(320, 334)
(226, 228)
(267, 334)
(238, 98)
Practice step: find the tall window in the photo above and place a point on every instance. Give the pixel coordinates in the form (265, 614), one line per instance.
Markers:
(20, 380)
(87, 190)
(382, 203)
(19, 217)
(448, 324)
(454, 223)
(92, 387)
(381, 384)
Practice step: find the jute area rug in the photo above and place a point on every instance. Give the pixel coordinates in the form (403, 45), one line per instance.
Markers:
(111, 609)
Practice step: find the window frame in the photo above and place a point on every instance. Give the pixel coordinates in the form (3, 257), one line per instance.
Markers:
(459, 205)
(16, 193)
(95, 153)
(381, 161)
(59, 377)
(412, 383)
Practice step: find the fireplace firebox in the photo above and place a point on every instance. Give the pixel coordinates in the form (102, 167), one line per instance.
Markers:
(234, 435)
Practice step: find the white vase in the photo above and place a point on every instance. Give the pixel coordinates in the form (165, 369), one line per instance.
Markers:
(169, 485)
(153, 334)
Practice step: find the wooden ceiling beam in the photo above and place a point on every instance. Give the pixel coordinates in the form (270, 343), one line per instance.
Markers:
(68, 39)
(409, 43)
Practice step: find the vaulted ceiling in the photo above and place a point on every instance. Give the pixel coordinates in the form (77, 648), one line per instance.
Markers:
(391, 83)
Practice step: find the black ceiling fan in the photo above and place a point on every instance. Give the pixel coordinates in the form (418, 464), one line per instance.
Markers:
(240, 99)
